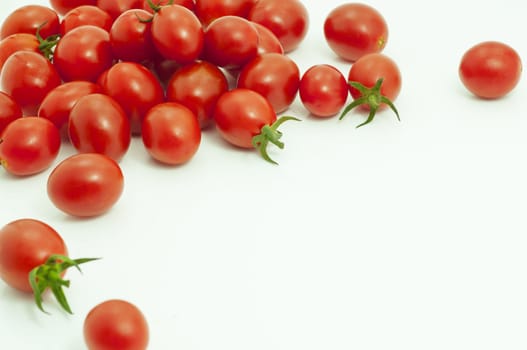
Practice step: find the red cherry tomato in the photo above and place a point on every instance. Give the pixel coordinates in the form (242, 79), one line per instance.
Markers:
(58, 103)
(274, 76)
(85, 15)
(116, 324)
(29, 18)
(63, 6)
(171, 133)
(135, 88)
(83, 53)
(353, 30)
(24, 245)
(287, 19)
(85, 184)
(29, 145)
(230, 42)
(490, 69)
(115, 7)
(98, 124)
(17, 42)
(267, 41)
(323, 90)
(209, 10)
(198, 87)
(28, 77)
(131, 37)
(177, 34)
(9, 111)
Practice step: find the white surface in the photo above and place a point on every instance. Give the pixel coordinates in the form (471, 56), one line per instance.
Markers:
(407, 235)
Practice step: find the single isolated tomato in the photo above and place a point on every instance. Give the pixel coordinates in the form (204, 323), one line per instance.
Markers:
(490, 69)
(98, 124)
(353, 30)
(85, 15)
(33, 258)
(29, 19)
(323, 90)
(274, 76)
(198, 86)
(83, 53)
(171, 133)
(28, 77)
(116, 324)
(9, 111)
(131, 36)
(209, 10)
(29, 145)
(17, 42)
(63, 6)
(58, 103)
(245, 119)
(85, 184)
(375, 82)
(287, 19)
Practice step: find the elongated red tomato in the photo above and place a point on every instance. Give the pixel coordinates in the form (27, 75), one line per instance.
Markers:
(29, 18)
(116, 324)
(29, 145)
(85, 184)
(9, 111)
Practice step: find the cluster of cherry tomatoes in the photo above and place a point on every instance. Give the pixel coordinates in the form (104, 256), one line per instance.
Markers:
(97, 72)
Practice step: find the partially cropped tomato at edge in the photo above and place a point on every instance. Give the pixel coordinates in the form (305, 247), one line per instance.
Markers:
(490, 69)
(209, 10)
(63, 6)
(9, 111)
(29, 19)
(85, 184)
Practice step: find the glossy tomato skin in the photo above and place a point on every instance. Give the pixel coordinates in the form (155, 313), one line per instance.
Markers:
(267, 41)
(490, 69)
(171, 133)
(116, 324)
(323, 90)
(198, 86)
(287, 19)
(28, 77)
(372, 67)
(83, 53)
(185, 3)
(29, 145)
(58, 103)
(9, 111)
(85, 15)
(240, 115)
(63, 6)
(27, 19)
(25, 244)
(115, 7)
(135, 88)
(85, 184)
(230, 42)
(131, 37)
(274, 76)
(17, 42)
(209, 10)
(177, 34)
(98, 124)
(353, 30)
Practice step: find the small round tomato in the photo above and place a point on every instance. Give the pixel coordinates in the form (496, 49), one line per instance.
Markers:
(29, 19)
(267, 41)
(131, 37)
(171, 133)
(29, 145)
(63, 6)
(274, 76)
(85, 184)
(177, 33)
(209, 10)
(9, 111)
(230, 42)
(287, 19)
(323, 90)
(24, 245)
(98, 124)
(17, 42)
(116, 324)
(28, 77)
(353, 30)
(135, 88)
(58, 103)
(490, 69)
(83, 53)
(115, 7)
(85, 15)
(198, 87)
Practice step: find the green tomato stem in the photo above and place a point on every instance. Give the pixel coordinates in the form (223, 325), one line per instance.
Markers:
(270, 133)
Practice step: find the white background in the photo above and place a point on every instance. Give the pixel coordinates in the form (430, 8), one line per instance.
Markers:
(407, 235)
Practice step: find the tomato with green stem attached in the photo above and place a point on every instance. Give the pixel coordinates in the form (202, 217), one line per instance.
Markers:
(29, 19)
(34, 258)
(131, 37)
